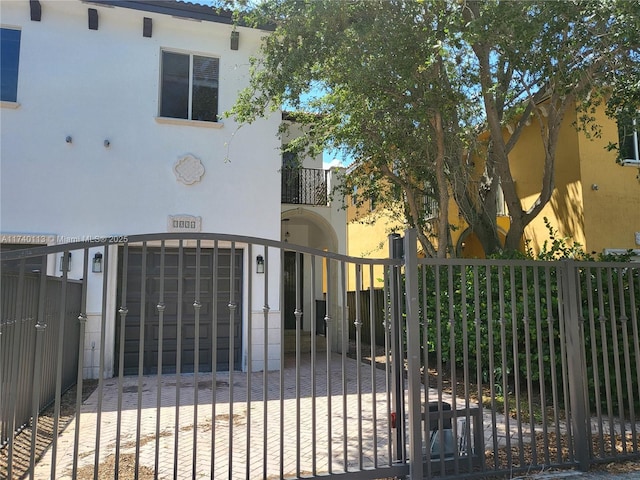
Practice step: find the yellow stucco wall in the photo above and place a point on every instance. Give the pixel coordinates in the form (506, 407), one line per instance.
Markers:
(612, 211)
(597, 218)
(565, 210)
(367, 236)
(595, 203)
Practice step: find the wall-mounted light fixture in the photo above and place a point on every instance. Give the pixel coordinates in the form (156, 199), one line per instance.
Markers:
(36, 10)
(93, 19)
(235, 40)
(594, 187)
(259, 264)
(68, 139)
(65, 262)
(107, 143)
(147, 27)
(96, 266)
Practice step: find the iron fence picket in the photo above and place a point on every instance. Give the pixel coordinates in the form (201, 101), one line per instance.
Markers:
(13, 372)
(122, 311)
(82, 319)
(249, 384)
(635, 318)
(60, 350)
(37, 372)
(141, 356)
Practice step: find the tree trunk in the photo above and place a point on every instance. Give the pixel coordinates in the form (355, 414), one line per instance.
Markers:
(443, 194)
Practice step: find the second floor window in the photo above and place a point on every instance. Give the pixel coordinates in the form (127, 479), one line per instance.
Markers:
(9, 60)
(189, 87)
(629, 143)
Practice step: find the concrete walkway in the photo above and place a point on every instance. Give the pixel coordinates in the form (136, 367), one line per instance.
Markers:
(272, 426)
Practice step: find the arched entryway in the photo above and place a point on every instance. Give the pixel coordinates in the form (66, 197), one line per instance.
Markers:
(469, 246)
(303, 227)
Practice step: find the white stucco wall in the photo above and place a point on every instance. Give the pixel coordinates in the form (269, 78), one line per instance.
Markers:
(104, 85)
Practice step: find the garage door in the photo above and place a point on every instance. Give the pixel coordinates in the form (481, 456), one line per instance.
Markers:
(178, 329)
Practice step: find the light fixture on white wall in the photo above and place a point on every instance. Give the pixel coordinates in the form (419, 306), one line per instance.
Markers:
(65, 262)
(259, 264)
(96, 265)
(235, 40)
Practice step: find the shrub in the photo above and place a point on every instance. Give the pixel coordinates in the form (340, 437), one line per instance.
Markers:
(503, 321)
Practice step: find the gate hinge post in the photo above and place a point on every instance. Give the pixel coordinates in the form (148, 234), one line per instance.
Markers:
(397, 359)
(413, 353)
(576, 363)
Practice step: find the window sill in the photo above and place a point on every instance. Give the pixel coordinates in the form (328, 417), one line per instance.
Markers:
(12, 105)
(189, 123)
(630, 162)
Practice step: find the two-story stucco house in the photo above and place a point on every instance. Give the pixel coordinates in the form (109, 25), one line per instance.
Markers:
(112, 122)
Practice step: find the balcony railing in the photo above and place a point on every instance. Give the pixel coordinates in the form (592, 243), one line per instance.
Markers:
(304, 186)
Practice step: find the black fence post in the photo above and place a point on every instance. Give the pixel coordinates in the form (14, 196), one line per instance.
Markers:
(576, 364)
(397, 357)
(413, 353)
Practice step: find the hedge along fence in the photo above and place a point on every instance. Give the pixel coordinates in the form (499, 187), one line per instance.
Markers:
(505, 320)
(610, 312)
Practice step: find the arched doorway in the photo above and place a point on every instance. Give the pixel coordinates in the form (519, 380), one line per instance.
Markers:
(469, 246)
(303, 227)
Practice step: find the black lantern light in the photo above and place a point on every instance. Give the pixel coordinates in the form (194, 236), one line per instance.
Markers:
(96, 266)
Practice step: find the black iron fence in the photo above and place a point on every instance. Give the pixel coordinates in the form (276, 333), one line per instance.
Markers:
(304, 186)
(369, 307)
(488, 366)
(39, 338)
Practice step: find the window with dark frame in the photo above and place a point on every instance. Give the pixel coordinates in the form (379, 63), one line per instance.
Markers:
(629, 140)
(189, 87)
(9, 61)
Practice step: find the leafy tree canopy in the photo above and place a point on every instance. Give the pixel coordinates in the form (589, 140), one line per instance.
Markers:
(407, 86)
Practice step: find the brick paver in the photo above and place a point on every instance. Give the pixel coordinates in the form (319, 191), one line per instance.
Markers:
(282, 431)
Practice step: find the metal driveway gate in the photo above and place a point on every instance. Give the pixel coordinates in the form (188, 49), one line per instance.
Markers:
(480, 366)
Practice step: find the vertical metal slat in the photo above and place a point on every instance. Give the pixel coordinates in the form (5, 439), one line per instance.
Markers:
(178, 375)
(60, 351)
(13, 379)
(374, 370)
(103, 328)
(37, 374)
(123, 318)
(232, 310)
(197, 305)
(141, 351)
(249, 365)
(265, 366)
(160, 307)
(358, 333)
(82, 319)
(214, 355)
(516, 361)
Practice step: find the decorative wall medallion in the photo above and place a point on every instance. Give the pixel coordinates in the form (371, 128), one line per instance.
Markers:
(184, 223)
(188, 169)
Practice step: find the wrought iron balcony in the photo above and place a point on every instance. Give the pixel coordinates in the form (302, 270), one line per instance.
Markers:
(304, 186)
